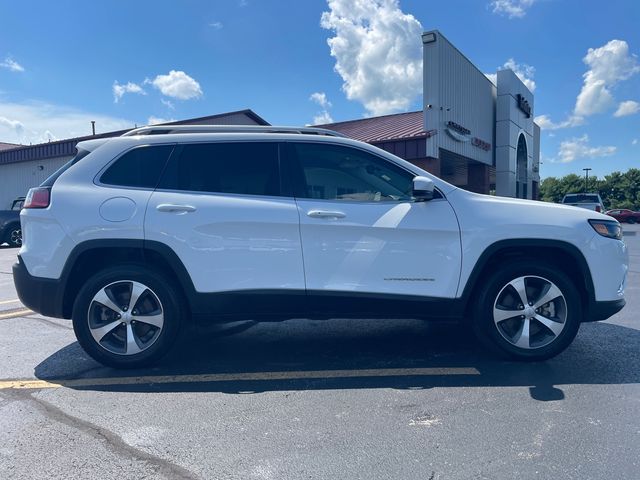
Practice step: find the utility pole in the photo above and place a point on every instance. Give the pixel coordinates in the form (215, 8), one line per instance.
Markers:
(586, 178)
(93, 126)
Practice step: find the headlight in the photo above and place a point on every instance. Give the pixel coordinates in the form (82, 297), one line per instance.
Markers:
(607, 228)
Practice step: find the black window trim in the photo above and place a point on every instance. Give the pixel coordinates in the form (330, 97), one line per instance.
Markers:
(285, 186)
(293, 163)
(98, 176)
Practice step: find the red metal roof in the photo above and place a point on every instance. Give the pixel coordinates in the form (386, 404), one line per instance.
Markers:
(67, 147)
(387, 127)
(7, 146)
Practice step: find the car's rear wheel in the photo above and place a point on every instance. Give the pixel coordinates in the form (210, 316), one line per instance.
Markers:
(127, 316)
(528, 310)
(631, 220)
(14, 236)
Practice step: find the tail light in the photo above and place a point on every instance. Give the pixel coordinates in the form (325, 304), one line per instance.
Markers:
(38, 197)
(598, 209)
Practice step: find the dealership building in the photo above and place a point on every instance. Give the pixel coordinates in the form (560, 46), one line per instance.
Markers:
(471, 132)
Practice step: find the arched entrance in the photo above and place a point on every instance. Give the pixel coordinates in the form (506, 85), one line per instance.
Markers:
(521, 168)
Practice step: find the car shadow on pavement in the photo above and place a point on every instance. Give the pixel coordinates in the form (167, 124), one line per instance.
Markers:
(603, 353)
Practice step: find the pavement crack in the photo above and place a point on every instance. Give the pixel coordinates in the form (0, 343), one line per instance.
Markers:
(48, 322)
(111, 440)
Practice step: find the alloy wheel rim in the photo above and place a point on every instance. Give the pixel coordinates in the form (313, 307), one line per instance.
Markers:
(16, 237)
(530, 312)
(125, 317)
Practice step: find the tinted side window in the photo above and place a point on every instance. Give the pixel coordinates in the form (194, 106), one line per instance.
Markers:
(241, 168)
(333, 172)
(140, 167)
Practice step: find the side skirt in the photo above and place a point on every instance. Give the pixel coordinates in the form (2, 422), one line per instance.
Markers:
(275, 305)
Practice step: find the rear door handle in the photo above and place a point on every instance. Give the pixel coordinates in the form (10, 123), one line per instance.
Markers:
(168, 207)
(325, 214)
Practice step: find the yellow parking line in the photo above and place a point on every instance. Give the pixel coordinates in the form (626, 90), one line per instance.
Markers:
(15, 313)
(4, 302)
(233, 377)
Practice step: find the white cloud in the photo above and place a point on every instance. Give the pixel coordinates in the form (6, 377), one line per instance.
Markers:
(177, 84)
(15, 125)
(120, 89)
(634, 141)
(511, 8)
(628, 107)
(608, 65)
(322, 118)
(321, 99)
(36, 122)
(10, 64)
(216, 25)
(545, 123)
(378, 52)
(579, 147)
(493, 78)
(168, 103)
(523, 71)
(153, 120)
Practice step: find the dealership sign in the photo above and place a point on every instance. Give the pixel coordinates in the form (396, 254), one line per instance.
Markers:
(523, 105)
(462, 134)
(486, 146)
(458, 132)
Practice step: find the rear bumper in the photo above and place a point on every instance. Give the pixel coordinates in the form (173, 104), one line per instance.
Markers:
(42, 295)
(604, 310)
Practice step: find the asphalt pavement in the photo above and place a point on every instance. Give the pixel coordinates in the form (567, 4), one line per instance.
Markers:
(335, 399)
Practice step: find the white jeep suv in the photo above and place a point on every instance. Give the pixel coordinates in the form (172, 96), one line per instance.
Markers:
(140, 234)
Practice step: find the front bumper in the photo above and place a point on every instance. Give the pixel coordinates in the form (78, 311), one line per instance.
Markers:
(603, 310)
(42, 295)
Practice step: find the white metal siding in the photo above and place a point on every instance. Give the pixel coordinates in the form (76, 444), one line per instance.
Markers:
(17, 178)
(457, 91)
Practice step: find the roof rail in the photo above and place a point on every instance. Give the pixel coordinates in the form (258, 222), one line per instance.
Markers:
(167, 129)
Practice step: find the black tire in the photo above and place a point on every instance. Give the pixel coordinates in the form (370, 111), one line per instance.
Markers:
(14, 235)
(631, 220)
(495, 289)
(159, 289)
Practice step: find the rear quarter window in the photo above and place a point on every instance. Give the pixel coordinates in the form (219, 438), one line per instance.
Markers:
(54, 176)
(140, 167)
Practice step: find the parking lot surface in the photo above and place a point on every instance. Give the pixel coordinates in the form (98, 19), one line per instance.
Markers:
(343, 399)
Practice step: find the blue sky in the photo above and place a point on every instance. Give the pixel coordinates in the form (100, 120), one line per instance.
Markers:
(120, 63)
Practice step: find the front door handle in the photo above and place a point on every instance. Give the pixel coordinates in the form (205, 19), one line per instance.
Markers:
(168, 207)
(325, 214)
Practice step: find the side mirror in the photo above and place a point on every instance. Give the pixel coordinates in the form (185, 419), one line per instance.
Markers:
(423, 189)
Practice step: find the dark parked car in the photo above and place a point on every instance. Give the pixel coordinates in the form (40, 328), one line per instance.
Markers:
(625, 215)
(10, 231)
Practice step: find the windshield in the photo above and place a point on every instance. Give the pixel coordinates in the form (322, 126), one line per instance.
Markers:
(581, 198)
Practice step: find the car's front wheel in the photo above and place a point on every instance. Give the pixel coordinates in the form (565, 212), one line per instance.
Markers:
(528, 310)
(127, 316)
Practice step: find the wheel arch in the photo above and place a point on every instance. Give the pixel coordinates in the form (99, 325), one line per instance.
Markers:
(563, 254)
(6, 228)
(93, 255)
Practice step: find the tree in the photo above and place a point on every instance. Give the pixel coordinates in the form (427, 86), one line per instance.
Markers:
(618, 190)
